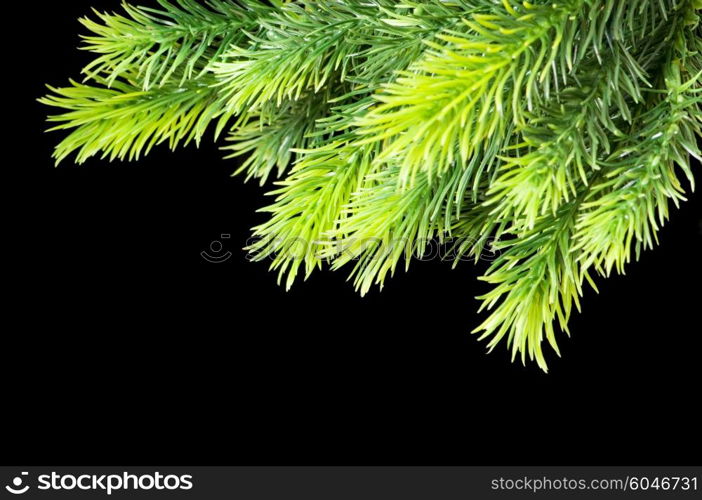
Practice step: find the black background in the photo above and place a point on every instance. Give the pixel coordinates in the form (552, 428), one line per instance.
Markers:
(122, 345)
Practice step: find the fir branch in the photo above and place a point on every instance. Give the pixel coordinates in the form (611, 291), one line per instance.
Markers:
(538, 280)
(270, 135)
(541, 269)
(563, 140)
(123, 121)
(468, 89)
(310, 204)
(301, 48)
(383, 225)
(150, 44)
(307, 207)
(628, 207)
(554, 134)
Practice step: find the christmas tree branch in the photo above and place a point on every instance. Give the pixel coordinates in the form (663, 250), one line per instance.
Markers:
(553, 135)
